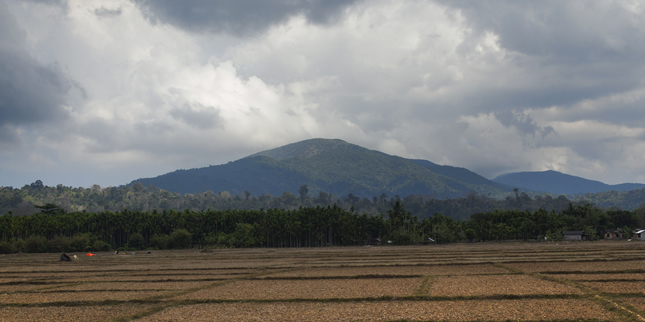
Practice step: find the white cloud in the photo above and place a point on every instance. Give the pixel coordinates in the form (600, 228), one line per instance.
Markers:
(494, 87)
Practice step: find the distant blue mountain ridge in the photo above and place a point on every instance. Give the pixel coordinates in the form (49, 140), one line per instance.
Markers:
(559, 183)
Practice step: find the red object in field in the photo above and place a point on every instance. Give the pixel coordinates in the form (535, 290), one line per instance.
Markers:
(90, 254)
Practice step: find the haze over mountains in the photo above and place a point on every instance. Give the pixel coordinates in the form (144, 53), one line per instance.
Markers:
(337, 167)
(560, 183)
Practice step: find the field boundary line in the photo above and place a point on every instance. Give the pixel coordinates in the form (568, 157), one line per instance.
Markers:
(159, 300)
(623, 271)
(621, 307)
(168, 300)
(424, 287)
(412, 298)
(80, 303)
(588, 291)
(340, 277)
(511, 270)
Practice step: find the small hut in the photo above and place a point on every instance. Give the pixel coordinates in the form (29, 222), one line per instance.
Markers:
(639, 235)
(610, 234)
(574, 235)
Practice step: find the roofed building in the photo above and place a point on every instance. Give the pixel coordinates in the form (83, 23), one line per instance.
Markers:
(574, 235)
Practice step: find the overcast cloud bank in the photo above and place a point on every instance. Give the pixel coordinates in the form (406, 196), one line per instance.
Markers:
(107, 92)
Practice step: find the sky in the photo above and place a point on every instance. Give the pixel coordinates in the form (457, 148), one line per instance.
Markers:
(106, 92)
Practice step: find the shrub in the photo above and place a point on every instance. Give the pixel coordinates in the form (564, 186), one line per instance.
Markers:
(18, 244)
(102, 246)
(160, 241)
(470, 234)
(6, 247)
(443, 234)
(36, 244)
(181, 238)
(59, 244)
(403, 238)
(79, 243)
(137, 241)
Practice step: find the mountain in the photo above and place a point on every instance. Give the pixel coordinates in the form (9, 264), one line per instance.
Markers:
(559, 183)
(333, 166)
(460, 174)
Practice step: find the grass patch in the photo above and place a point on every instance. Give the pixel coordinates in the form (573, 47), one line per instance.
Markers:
(423, 289)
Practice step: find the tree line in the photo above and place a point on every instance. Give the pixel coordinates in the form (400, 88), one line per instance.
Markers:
(23, 201)
(53, 229)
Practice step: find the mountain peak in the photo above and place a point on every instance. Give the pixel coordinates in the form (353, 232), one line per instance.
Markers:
(303, 149)
(329, 165)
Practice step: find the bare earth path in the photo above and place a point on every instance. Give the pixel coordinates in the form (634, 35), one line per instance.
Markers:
(576, 281)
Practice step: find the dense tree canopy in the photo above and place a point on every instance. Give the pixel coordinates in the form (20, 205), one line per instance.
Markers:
(28, 199)
(303, 227)
(41, 218)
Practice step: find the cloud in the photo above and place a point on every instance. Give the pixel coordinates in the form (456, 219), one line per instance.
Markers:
(30, 92)
(241, 18)
(60, 7)
(577, 50)
(9, 137)
(139, 88)
(197, 115)
(105, 12)
(523, 123)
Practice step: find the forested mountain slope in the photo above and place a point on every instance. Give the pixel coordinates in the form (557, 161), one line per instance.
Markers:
(22, 201)
(333, 166)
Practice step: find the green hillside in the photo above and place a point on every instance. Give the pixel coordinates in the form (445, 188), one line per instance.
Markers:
(332, 166)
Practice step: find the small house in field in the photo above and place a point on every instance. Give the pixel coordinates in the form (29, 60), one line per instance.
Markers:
(574, 235)
(610, 234)
(639, 235)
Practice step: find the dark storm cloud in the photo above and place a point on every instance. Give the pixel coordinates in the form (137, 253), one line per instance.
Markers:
(566, 29)
(577, 49)
(523, 123)
(238, 17)
(29, 91)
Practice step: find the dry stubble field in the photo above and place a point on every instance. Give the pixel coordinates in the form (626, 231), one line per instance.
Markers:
(464, 282)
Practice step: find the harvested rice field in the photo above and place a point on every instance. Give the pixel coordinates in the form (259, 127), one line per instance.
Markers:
(521, 310)
(311, 289)
(618, 287)
(415, 270)
(482, 285)
(573, 281)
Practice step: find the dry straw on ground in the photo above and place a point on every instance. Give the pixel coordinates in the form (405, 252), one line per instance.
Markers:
(130, 286)
(89, 313)
(605, 277)
(481, 281)
(97, 296)
(497, 285)
(498, 310)
(310, 289)
(395, 270)
(638, 303)
(617, 287)
(585, 266)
